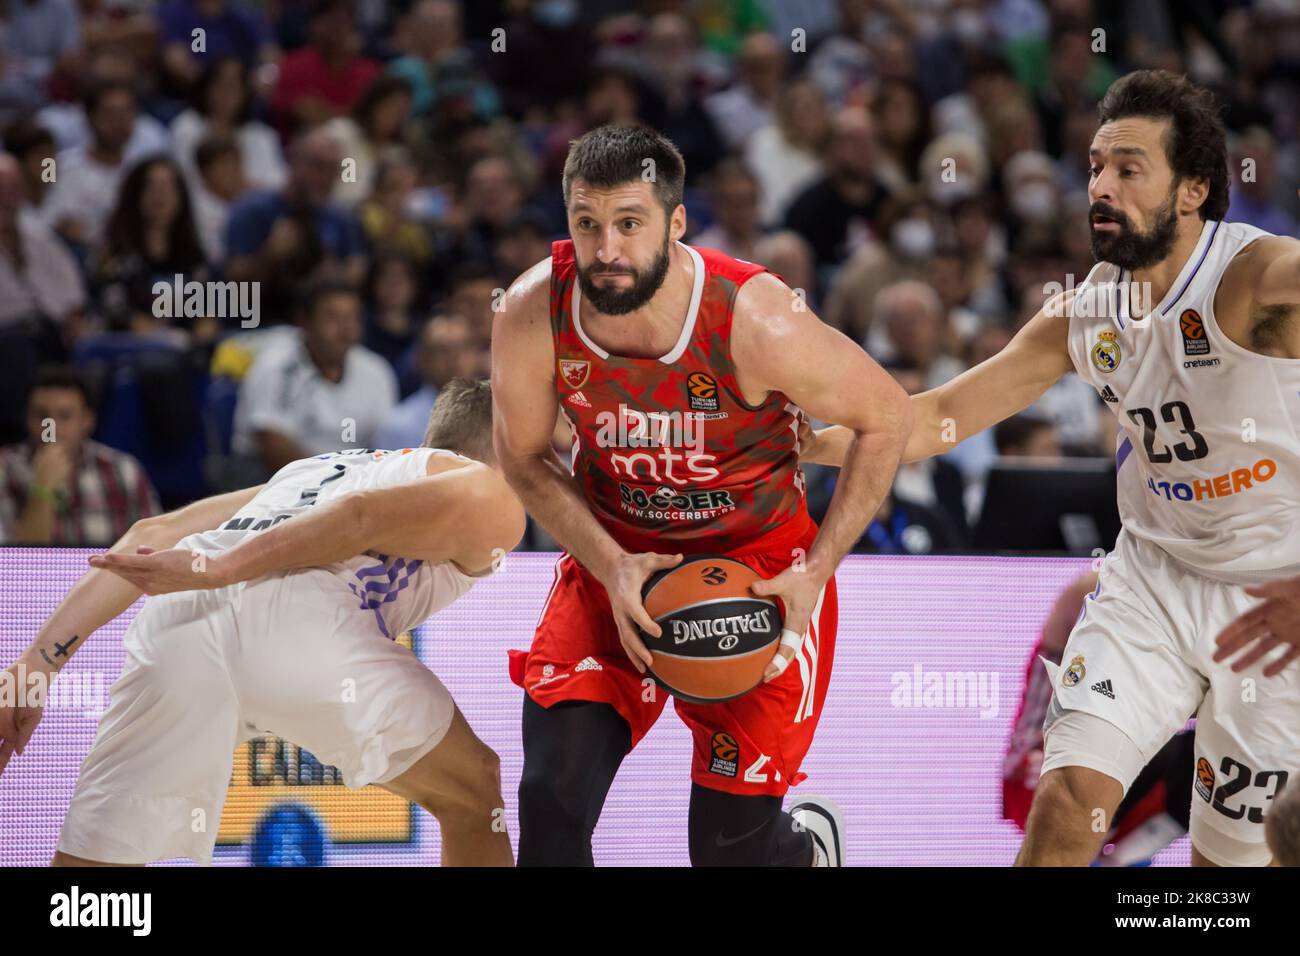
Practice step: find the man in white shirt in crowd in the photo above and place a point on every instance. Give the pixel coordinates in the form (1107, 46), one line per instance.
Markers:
(317, 388)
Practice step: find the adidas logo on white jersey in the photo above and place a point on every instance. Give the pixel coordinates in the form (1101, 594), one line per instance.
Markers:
(1103, 687)
(588, 664)
(577, 398)
(1108, 395)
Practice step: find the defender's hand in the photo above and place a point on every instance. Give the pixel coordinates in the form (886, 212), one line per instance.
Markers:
(1272, 624)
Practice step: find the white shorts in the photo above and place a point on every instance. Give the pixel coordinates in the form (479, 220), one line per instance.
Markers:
(1140, 658)
(206, 671)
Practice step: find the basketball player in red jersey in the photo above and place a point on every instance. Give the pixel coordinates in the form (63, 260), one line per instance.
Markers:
(684, 376)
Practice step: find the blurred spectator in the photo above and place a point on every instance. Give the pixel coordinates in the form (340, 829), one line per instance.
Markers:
(839, 61)
(228, 30)
(150, 237)
(788, 255)
(445, 351)
(735, 230)
(671, 67)
(325, 78)
(317, 389)
(372, 134)
(473, 292)
(37, 39)
(89, 175)
(222, 106)
(785, 155)
(393, 300)
(910, 316)
(59, 487)
(522, 243)
(391, 215)
(835, 213)
(278, 237)
(492, 197)
(902, 130)
(1027, 436)
(1254, 195)
(612, 98)
(747, 105)
(542, 35)
(219, 185)
(954, 167)
(33, 146)
(71, 122)
(432, 32)
(38, 278)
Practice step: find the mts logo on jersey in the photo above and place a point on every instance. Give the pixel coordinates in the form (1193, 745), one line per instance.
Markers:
(674, 443)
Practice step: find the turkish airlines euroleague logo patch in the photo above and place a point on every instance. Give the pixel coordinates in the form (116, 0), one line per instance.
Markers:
(702, 390)
(574, 372)
(1204, 779)
(725, 754)
(1194, 340)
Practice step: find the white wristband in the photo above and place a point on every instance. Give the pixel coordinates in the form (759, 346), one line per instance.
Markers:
(792, 640)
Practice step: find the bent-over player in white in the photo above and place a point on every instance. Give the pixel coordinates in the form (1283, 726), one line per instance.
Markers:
(271, 601)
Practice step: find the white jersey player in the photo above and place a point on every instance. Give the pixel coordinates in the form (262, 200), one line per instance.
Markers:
(304, 583)
(1189, 329)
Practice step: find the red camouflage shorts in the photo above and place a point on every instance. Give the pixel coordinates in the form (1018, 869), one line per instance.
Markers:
(751, 745)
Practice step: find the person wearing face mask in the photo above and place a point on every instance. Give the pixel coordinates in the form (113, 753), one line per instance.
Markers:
(1029, 183)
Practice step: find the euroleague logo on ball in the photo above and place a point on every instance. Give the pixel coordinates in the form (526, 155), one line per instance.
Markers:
(702, 391)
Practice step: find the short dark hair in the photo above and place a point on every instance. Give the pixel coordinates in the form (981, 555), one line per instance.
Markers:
(1016, 431)
(212, 148)
(319, 285)
(1282, 826)
(1196, 145)
(461, 420)
(610, 156)
(24, 135)
(61, 376)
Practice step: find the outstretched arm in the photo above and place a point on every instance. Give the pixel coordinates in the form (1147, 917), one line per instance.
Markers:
(466, 515)
(92, 602)
(992, 391)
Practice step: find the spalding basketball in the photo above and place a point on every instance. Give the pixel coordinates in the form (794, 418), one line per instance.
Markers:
(718, 637)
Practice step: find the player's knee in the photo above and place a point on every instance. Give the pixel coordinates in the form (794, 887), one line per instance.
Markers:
(475, 793)
(549, 798)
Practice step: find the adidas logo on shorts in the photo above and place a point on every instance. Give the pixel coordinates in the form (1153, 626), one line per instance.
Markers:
(588, 664)
(1103, 687)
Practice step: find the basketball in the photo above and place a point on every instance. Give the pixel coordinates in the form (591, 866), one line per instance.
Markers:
(717, 636)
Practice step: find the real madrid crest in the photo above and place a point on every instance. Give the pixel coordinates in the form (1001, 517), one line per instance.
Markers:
(1074, 673)
(1106, 354)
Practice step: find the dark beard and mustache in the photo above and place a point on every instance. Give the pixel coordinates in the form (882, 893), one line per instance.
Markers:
(612, 300)
(1128, 248)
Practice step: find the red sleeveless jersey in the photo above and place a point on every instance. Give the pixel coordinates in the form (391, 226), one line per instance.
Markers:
(666, 451)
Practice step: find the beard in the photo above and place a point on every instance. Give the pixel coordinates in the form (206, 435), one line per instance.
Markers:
(611, 300)
(1128, 248)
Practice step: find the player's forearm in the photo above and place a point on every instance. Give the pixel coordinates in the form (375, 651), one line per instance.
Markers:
(931, 435)
(551, 496)
(864, 481)
(97, 598)
(329, 532)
